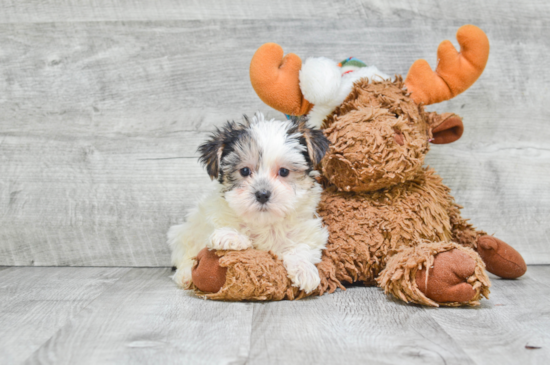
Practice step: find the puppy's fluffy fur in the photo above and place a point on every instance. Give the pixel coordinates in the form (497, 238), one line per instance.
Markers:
(266, 198)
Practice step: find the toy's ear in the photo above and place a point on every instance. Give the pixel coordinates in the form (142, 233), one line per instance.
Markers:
(448, 130)
(316, 143)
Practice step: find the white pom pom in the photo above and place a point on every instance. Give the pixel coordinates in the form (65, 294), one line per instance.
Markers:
(320, 80)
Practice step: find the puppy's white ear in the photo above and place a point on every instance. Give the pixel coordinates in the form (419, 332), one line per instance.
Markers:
(211, 151)
(316, 143)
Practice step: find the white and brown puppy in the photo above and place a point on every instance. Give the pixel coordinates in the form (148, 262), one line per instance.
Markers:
(266, 198)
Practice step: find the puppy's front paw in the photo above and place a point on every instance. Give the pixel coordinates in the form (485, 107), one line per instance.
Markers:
(182, 277)
(228, 239)
(303, 274)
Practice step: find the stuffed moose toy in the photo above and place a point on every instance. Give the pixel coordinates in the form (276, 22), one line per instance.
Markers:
(391, 221)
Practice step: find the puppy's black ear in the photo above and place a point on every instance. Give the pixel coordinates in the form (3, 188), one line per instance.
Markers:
(211, 153)
(316, 142)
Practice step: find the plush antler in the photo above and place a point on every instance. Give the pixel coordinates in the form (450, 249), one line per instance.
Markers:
(276, 79)
(456, 71)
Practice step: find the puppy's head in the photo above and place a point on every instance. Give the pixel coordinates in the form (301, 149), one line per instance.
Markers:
(264, 165)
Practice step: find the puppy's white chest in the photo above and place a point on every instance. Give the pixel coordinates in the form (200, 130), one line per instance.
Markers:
(270, 238)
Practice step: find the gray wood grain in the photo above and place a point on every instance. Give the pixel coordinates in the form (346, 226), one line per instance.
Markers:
(144, 318)
(100, 118)
(37, 302)
(96, 201)
(540, 273)
(138, 316)
(516, 317)
(112, 10)
(358, 326)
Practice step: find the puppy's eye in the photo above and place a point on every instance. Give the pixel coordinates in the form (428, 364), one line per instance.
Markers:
(283, 172)
(245, 171)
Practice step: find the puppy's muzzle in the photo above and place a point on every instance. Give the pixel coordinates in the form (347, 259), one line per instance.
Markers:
(262, 196)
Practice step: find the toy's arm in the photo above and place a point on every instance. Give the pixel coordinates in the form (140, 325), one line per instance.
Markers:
(243, 275)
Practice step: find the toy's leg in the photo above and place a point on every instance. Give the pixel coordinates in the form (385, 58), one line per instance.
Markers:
(500, 258)
(243, 275)
(436, 274)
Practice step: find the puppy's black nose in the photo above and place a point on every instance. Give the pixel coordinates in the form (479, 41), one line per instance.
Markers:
(263, 196)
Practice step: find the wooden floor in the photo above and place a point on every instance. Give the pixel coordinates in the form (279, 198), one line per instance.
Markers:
(136, 315)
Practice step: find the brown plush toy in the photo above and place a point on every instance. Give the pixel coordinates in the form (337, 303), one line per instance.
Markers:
(391, 221)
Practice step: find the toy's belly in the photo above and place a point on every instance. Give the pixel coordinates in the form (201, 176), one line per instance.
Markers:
(365, 228)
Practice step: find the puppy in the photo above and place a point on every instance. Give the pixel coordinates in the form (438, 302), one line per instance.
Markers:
(266, 198)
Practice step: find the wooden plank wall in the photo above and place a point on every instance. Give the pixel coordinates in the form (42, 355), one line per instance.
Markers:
(102, 106)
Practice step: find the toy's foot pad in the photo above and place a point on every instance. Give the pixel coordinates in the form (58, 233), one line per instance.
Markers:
(500, 258)
(208, 276)
(447, 279)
